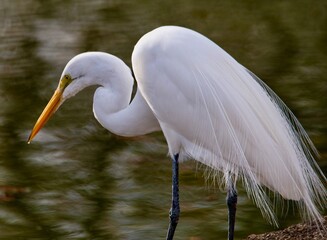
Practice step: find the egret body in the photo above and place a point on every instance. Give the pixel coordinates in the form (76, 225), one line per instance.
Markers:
(209, 108)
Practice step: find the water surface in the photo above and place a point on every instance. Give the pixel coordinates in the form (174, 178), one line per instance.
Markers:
(78, 181)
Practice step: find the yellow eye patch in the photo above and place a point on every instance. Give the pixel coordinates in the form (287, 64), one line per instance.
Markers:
(65, 81)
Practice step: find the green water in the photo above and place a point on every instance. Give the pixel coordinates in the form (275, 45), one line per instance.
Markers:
(78, 181)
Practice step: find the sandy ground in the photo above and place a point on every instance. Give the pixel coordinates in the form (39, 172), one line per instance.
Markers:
(303, 231)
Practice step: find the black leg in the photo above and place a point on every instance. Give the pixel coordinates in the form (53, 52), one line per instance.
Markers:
(231, 203)
(174, 211)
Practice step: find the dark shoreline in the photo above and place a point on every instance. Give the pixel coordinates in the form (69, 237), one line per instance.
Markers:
(301, 231)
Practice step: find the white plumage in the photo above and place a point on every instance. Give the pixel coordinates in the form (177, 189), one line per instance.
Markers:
(210, 108)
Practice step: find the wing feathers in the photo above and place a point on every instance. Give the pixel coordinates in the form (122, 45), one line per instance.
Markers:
(214, 110)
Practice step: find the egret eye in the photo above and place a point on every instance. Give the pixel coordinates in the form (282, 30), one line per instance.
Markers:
(65, 81)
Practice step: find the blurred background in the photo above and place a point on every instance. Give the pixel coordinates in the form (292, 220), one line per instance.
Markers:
(78, 181)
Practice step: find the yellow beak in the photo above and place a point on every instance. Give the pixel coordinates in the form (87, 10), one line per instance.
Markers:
(48, 111)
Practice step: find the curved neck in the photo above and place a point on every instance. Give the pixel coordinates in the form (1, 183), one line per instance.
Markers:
(112, 110)
(111, 100)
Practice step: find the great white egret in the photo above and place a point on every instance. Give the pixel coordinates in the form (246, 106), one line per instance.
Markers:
(209, 108)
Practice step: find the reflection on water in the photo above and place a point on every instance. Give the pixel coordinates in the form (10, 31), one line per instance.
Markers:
(77, 181)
